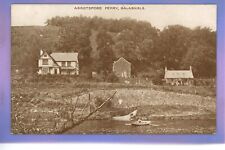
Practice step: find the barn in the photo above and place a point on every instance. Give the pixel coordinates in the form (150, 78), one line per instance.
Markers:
(122, 68)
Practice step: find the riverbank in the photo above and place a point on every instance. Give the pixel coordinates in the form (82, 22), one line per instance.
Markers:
(41, 108)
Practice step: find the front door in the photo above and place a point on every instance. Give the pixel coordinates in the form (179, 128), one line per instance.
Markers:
(45, 70)
(55, 71)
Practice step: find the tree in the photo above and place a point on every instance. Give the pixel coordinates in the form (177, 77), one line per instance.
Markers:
(173, 45)
(100, 41)
(106, 55)
(201, 53)
(75, 38)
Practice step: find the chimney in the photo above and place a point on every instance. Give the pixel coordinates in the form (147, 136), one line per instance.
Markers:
(41, 52)
(165, 69)
(190, 68)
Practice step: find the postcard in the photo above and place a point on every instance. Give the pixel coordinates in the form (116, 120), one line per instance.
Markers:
(106, 69)
(114, 69)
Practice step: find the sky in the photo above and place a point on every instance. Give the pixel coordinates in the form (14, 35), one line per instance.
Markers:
(159, 16)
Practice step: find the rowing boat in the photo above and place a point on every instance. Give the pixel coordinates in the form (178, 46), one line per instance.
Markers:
(140, 123)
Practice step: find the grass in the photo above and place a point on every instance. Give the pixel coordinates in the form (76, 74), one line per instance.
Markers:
(41, 107)
(56, 83)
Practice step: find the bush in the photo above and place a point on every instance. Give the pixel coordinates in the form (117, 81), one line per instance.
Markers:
(99, 78)
(204, 82)
(157, 80)
(112, 78)
(54, 78)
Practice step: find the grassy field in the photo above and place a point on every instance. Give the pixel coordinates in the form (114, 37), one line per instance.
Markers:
(39, 107)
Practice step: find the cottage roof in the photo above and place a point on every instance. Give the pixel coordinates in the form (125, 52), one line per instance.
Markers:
(121, 59)
(65, 56)
(42, 52)
(173, 74)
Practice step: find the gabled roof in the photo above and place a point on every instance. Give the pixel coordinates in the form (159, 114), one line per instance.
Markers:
(45, 53)
(64, 56)
(121, 59)
(183, 74)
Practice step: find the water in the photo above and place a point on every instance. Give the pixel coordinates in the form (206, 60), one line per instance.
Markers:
(160, 126)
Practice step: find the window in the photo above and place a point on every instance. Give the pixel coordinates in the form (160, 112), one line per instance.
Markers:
(45, 55)
(69, 64)
(63, 64)
(45, 62)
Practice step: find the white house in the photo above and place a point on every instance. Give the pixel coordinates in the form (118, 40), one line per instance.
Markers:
(58, 63)
(179, 77)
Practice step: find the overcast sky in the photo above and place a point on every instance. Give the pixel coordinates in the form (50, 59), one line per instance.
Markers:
(159, 16)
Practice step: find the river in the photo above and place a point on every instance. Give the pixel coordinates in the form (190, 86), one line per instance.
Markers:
(157, 126)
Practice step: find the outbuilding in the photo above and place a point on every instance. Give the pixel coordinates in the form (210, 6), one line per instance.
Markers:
(179, 77)
(122, 68)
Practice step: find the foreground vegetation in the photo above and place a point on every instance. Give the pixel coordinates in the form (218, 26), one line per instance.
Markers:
(40, 107)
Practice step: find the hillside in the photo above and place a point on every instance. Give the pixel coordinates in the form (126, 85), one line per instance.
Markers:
(101, 41)
(27, 42)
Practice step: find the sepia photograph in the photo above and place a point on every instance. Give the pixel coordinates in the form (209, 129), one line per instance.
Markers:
(113, 69)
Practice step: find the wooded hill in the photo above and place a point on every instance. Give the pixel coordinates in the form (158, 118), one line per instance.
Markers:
(100, 41)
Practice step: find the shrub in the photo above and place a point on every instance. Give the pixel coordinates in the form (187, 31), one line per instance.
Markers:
(157, 80)
(99, 78)
(112, 78)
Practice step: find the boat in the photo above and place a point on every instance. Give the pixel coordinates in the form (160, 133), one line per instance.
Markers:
(140, 123)
(126, 117)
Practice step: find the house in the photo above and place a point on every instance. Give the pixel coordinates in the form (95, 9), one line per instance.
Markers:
(122, 68)
(179, 77)
(58, 63)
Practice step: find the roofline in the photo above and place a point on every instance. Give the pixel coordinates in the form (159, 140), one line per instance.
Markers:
(178, 70)
(66, 52)
(49, 56)
(121, 58)
(66, 61)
